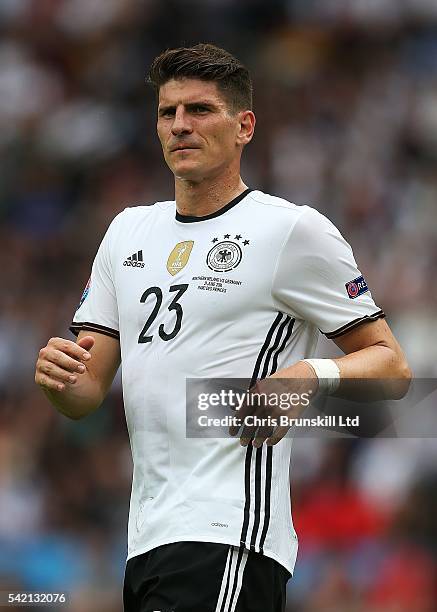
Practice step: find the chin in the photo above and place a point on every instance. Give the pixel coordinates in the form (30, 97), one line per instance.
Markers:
(187, 173)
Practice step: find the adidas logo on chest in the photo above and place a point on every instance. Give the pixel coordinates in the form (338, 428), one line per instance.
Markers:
(135, 260)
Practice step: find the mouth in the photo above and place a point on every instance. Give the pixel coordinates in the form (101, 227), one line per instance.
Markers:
(182, 148)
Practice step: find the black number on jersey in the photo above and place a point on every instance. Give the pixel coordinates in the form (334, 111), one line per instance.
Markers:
(179, 313)
(158, 294)
(174, 305)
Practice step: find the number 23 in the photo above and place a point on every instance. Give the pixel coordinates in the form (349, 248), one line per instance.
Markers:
(174, 305)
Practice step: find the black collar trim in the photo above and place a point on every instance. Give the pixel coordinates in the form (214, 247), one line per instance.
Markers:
(217, 213)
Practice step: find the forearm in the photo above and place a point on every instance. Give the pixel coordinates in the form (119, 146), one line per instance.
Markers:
(383, 372)
(376, 361)
(74, 379)
(387, 368)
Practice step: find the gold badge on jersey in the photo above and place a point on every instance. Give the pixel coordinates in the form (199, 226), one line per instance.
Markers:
(178, 258)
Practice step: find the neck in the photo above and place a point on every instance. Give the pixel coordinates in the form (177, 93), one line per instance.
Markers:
(206, 197)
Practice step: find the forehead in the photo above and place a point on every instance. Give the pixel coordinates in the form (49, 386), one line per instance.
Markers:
(186, 91)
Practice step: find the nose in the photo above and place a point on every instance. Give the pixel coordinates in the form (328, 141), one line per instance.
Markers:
(181, 123)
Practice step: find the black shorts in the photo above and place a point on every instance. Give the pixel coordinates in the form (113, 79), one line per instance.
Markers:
(203, 577)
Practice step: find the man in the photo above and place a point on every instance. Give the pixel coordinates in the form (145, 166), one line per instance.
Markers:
(222, 282)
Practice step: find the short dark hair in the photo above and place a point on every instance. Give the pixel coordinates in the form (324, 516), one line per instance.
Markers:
(207, 63)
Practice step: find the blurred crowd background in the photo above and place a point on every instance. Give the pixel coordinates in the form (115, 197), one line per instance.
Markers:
(346, 102)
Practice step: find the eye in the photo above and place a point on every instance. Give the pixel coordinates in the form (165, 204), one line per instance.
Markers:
(167, 112)
(199, 109)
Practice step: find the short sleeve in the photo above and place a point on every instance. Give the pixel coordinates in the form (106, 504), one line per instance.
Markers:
(317, 278)
(98, 310)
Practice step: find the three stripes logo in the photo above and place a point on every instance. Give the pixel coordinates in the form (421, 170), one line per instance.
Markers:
(135, 260)
(259, 462)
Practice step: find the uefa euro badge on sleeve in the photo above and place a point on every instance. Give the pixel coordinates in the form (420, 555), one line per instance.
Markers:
(356, 287)
(85, 293)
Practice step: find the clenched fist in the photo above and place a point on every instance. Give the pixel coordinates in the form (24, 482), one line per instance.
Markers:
(61, 361)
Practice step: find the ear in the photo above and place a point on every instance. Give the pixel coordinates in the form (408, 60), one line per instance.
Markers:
(246, 122)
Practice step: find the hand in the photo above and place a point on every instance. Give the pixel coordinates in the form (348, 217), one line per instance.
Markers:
(61, 361)
(284, 394)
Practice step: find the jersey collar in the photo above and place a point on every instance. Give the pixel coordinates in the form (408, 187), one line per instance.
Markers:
(217, 213)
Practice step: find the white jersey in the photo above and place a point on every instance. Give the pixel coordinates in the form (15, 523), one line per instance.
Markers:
(239, 293)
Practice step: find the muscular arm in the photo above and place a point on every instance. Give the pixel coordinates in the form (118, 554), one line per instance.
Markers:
(73, 392)
(372, 352)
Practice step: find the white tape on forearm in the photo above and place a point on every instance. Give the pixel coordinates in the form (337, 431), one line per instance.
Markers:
(327, 372)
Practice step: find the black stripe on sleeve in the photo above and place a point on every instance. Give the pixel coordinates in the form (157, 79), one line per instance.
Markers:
(75, 328)
(355, 323)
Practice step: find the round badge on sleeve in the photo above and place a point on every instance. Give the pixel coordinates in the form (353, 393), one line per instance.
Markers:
(352, 289)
